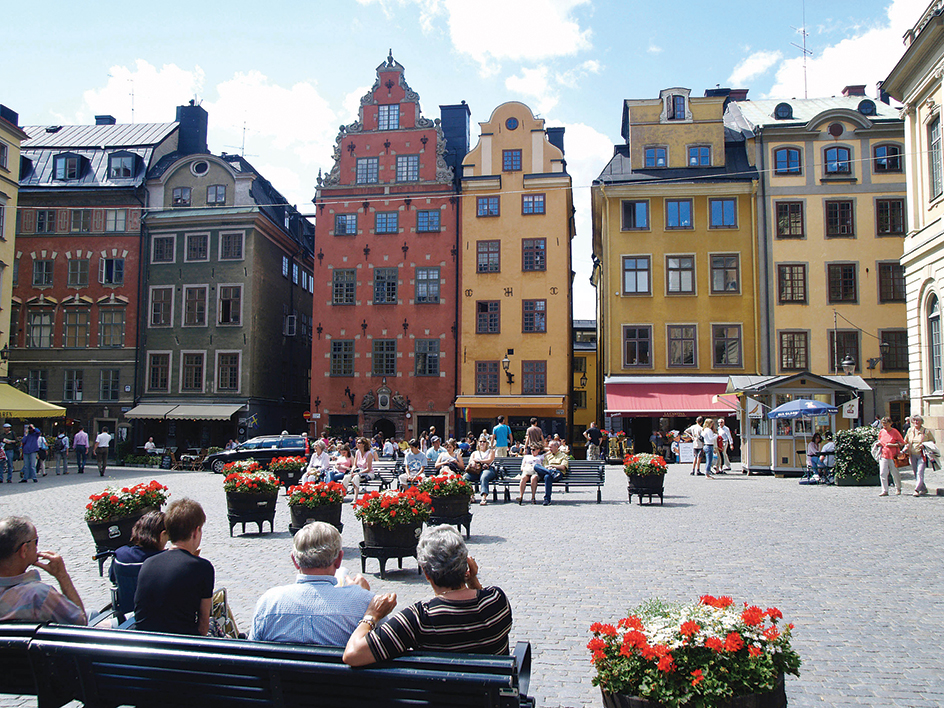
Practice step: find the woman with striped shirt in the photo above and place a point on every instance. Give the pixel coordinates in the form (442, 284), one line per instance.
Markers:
(462, 616)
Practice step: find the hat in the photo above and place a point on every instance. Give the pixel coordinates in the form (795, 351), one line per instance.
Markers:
(7, 425)
(435, 438)
(413, 443)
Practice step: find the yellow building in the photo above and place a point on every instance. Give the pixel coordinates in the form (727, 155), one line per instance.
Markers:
(675, 248)
(515, 276)
(10, 138)
(585, 399)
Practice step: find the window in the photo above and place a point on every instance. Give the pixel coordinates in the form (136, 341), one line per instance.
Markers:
(637, 346)
(837, 161)
(636, 275)
(195, 303)
(533, 254)
(116, 219)
(4, 154)
(699, 156)
(934, 161)
(108, 385)
(791, 283)
(181, 197)
(68, 166)
(231, 304)
(120, 166)
(295, 273)
(894, 349)
(427, 221)
(81, 221)
(635, 215)
(385, 222)
(162, 300)
(678, 213)
(72, 387)
(15, 277)
(36, 382)
(676, 107)
(162, 249)
(787, 161)
(843, 343)
(580, 399)
(227, 371)
(192, 371)
(534, 377)
(486, 206)
(725, 277)
(794, 351)
(216, 194)
(45, 221)
(789, 219)
(680, 274)
(534, 315)
(891, 282)
(78, 273)
(342, 357)
(408, 168)
(426, 353)
(111, 328)
(839, 221)
(111, 271)
(655, 157)
(726, 344)
(388, 117)
(486, 377)
(934, 341)
(487, 317)
(427, 285)
(511, 160)
(198, 247)
(231, 247)
(580, 364)
(158, 372)
(75, 327)
(723, 213)
(42, 273)
(682, 339)
(284, 266)
(842, 280)
(783, 111)
(385, 286)
(368, 170)
(345, 225)
(488, 256)
(887, 158)
(384, 357)
(39, 335)
(532, 203)
(890, 214)
(343, 282)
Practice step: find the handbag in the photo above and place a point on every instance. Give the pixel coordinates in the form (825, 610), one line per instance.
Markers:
(902, 459)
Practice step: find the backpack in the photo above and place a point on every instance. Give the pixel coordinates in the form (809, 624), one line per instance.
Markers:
(60, 444)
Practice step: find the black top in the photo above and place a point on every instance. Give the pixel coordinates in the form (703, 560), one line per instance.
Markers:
(170, 588)
(595, 435)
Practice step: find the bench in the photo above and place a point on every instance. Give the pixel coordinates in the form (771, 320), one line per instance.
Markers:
(102, 667)
(17, 675)
(581, 473)
(385, 474)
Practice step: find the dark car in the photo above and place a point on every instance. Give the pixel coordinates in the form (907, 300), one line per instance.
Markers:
(262, 449)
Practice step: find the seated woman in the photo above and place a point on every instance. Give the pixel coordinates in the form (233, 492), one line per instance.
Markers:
(813, 453)
(480, 468)
(319, 465)
(343, 463)
(450, 459)
(148, 538)
(362, 470)
(528, 461)
(462, 616)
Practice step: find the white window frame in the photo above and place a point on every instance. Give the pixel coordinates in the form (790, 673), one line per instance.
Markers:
(173, 295)
(111, 217)
(170, 370)
(173, 250)
(187, 237)
(242, 245)
(180, 374)
(206, 304)
(219, 307)
(239, 372)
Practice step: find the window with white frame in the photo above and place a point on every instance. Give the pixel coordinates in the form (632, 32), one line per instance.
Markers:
(162, 305)
(192, 368)
(108, 385)
(111, 327)
(116, 219)
(78, 273)
(230, 305)
(195, 305)
(227, 371)
(231, 246)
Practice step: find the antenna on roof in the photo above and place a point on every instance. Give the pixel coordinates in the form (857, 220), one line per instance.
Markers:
(242, 148)
(806, 52)
(130, 80)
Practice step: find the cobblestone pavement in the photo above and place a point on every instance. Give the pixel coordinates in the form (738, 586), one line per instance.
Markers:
(859, 575)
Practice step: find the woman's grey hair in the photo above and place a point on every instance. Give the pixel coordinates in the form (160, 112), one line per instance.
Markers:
(917, 418)
(443, 556)
(317, 545)
(14, 532)
(319, 445)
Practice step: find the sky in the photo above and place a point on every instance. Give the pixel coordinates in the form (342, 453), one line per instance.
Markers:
(278, 78)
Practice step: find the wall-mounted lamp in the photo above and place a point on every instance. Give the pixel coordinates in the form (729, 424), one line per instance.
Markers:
(583, 381)
(5, 353)
(848, 364)
(506, 364)
(349, 394)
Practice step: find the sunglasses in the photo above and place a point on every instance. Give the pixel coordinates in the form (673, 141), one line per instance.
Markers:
(29, 541)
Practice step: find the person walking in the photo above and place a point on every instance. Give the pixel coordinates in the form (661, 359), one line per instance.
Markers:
(501, 437)
(534, 437)
(593, 437)
(100, 450)
(710, 435)
(80, 443)
(8, 442)
(724, 449)
(61, 449)
(698, 444)
(892, 443)
(914, 445)
(42, 454)
(30, 453)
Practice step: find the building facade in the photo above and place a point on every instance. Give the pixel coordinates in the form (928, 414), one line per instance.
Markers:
(585, 400)
(11, 136)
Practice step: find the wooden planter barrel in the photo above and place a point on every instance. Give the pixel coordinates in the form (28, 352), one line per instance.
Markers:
(383, 543)
(115, 533)
(775, 699)
(302, 515)
(289, 478)
(452, 510)
(245, 509)
(646, 485)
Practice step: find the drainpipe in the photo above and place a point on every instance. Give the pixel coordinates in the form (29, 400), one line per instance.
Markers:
(144, 260)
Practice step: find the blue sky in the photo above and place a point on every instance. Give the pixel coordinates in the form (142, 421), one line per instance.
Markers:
(292, 72)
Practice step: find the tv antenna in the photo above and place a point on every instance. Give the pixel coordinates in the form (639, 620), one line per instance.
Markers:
(806, 52)
(130, 80)
(242, 148)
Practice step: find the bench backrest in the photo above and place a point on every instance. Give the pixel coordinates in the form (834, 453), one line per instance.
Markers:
(16, 675)
(586, 467)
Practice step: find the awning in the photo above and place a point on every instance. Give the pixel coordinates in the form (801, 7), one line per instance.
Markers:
(207, 411)
(679, 399)
(16, 404)
(543, 403)
(150, 410)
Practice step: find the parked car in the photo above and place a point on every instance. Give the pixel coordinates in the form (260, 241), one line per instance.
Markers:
(263, 450)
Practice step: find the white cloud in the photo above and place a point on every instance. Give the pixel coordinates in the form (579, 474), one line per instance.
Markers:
(757, 64)
(351, 104)
(157, 92)
(571, 78)
(536, 84)
(654, 48)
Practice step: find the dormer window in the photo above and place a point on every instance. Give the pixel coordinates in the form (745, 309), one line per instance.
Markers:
(783, 111)
(68, 167)
(655, 157)
(675, 110)
(867, 107)
(121, 166)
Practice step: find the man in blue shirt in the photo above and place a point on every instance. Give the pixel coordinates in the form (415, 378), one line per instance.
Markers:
(501, 437)
(433, 453)
(316, 609)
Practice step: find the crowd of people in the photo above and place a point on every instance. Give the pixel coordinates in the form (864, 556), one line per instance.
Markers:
(37, 452)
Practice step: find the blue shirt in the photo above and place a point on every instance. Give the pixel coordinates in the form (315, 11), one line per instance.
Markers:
(502, 434)
(315, 610)
(433, 452)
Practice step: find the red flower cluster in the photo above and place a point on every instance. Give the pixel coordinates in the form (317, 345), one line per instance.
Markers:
(390, 509)
(312, 494)
(287, 464)
(716, 602)
(114, 503)
(251, 482)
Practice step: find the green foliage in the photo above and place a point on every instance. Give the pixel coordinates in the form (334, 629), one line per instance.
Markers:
(211, 450)
(854, 453)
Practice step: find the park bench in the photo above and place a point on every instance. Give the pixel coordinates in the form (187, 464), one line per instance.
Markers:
(581, 473)
(385, 474)
(102, 667)
(17, 675)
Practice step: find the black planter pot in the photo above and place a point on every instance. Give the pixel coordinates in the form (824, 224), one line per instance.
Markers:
(245, 509)
(646, 485)
(289, 478)
(775, 699)
(402, 536)
(452, 506)
(302, 515)
(113, 534)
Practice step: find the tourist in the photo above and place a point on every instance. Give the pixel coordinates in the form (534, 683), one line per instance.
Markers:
(554, 467)
(501, 437)
(319, 464)
(434, 450)
(693, 433)
(415, 463)
(80, 443)
(480, 468)
(534, 437)
(148, 538)
(709, 436)
(529, 461)
(100, 450)
(362, 470)
(891, 443)
(389, 449)
(813, 453)
(61, 448)
(450, 459)
(914, 445)
(30, 452)
(728, 437)
(42, 454)
(593, 437)
(9, 448)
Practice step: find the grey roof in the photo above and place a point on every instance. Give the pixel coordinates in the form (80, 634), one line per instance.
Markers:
(736, 168)
(761, 113)
(97, 136)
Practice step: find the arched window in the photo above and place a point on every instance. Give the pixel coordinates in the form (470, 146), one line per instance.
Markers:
(787, 161)
(837, 161)
(934, 339)
(783, 111)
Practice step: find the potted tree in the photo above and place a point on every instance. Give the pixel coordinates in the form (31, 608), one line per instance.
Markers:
(251, 494)
(855, 465)
(112, 514)
(646, 475)
(315, 501)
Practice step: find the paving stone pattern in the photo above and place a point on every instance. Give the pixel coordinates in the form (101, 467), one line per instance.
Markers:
(859, 575)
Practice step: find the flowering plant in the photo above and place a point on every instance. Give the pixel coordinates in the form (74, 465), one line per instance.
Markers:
(644, 464)
(252, 482)
(620, 434)
(312, 494)
(393, 508)
(241, 466)
(287, 464)
(697, 655)
(116, 503)
(446, 485)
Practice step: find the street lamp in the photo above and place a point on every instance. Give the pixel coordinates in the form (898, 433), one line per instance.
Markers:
(583, 381)
(506, 364)
(848, 364)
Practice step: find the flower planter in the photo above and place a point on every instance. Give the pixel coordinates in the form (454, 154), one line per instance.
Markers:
(288, 478)
(383, 544)
(774, 699)
(869, 481)
(115, 533)
(646, 485)
(302, 515)
(452, 506)
(242, 508)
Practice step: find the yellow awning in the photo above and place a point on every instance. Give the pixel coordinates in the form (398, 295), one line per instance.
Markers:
(526, 403)
(16, 404)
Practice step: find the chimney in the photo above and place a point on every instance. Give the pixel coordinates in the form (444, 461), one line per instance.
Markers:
(104, 120)
(854, 90)
(738, 94)
(881, 94)
(9, 115)
(555, 136)
(192, 133)
(455, 122)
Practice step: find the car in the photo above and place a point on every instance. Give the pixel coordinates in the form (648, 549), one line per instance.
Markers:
(263, 450)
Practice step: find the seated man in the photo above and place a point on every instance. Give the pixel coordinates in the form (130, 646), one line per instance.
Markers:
(556, 464)
(175, 588)
(316, 609)
(23, 596)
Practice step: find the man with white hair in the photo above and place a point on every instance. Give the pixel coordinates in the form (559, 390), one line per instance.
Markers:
(316, 609)
(724, 433)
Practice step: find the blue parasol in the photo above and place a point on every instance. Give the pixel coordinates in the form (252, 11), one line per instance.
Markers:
(802, 408)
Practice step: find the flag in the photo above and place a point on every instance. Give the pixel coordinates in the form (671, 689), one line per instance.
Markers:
(755, 409)
(850, 409)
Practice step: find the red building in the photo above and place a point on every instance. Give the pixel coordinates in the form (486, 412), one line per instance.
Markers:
(385, 296)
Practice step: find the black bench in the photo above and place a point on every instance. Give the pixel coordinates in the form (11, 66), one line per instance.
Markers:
(581, 473)
(110, 667)
(16, 677)
(385, 474)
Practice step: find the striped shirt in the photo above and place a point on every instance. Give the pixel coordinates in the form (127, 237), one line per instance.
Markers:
(477, 626)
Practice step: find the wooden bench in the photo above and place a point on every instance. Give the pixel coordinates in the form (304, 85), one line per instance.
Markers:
(17, 675)
(101, 667)
(385, 474)
(581, 473)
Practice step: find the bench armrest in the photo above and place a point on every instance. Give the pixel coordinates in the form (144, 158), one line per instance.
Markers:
(522, 656)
